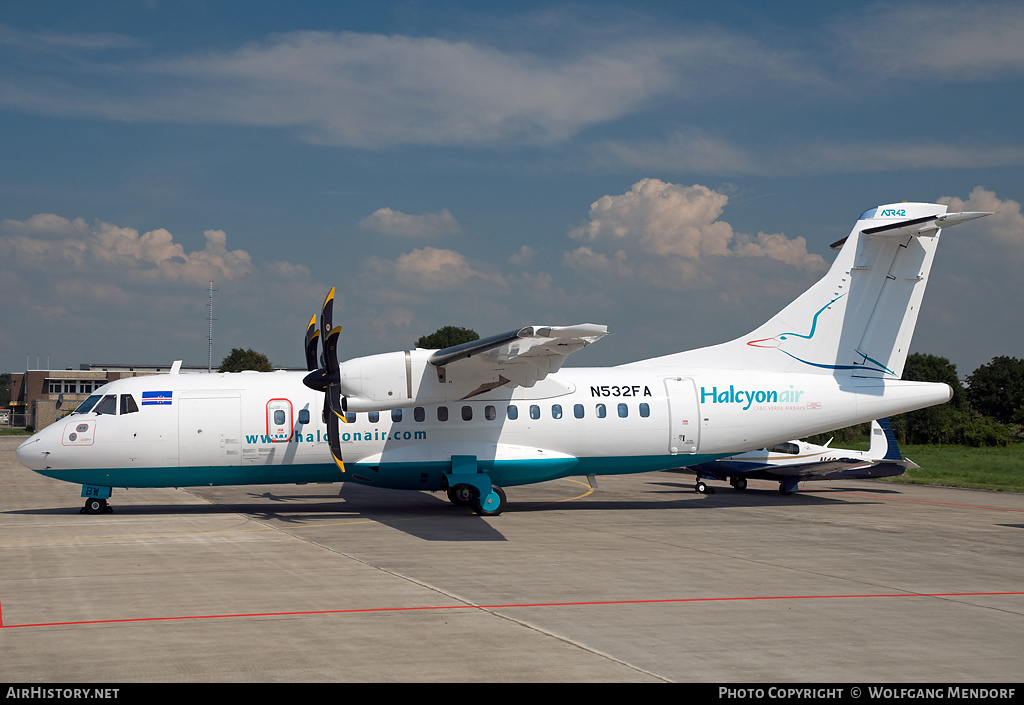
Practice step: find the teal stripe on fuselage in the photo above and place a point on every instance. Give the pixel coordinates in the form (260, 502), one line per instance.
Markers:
(427, 475)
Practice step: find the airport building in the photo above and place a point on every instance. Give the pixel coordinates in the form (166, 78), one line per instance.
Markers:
(40, 397)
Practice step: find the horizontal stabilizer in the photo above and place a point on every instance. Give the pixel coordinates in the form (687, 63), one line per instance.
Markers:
(921, 227)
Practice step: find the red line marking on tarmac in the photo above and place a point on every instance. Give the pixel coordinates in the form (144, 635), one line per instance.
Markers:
(511, 606)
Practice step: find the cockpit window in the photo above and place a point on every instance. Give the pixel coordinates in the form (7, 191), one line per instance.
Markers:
(107, 405)
(88, 404)
(790, 448)
(128, 405)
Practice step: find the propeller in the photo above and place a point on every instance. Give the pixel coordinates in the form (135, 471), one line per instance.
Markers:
(326, 377)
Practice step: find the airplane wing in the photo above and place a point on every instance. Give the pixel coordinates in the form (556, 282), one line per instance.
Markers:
(842, 467)
(521, 357)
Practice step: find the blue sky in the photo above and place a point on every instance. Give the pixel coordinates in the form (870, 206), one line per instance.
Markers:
(676, 171)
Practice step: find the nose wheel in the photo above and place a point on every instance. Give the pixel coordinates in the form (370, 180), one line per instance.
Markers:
(94, 505)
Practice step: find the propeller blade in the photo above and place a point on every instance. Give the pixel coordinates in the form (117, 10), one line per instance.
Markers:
(331, 355)
(326, 323)
(331, 417)
(326, 377)
(312, 340)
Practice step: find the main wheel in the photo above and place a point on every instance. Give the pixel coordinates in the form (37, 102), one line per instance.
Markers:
(739, 483)
(462, 495)
(701, 487)
(492, 505)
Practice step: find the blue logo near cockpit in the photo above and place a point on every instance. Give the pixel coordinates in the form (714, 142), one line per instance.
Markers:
(156, 398)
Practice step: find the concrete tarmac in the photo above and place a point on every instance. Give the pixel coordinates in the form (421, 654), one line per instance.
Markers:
(643, 580)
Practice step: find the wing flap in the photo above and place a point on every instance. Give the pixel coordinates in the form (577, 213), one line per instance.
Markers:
(521, 357)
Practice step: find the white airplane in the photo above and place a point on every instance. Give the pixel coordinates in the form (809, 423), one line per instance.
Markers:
(797, 461)
(499, 412)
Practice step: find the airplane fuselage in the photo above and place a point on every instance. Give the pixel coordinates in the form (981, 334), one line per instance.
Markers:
(265, 428)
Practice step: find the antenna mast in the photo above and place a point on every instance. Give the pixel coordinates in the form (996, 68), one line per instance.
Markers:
(209, 364)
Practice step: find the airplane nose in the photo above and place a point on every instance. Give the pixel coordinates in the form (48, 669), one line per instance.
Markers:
(31, 453)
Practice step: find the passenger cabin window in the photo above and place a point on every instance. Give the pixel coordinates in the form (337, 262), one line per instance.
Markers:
(107, 405)
(601, 411)
(645, 409)
(303, 416)
(373, 416)
(534, 411)
(396, 415)
(350, 417)
(467, 413)
(489, 413)
(577, 411)
(513, 412)
(442, 413)
(556, 411)
(790, 448)
(279, 416)
(419, 414)
(623, 411)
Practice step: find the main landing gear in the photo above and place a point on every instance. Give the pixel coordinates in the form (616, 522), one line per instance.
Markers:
(467, 486)
(738, 483)
(466, 495)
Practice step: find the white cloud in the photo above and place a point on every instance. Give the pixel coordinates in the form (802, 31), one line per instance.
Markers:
(779, 247)
(681, 151)
(55, 244)
(523, 257)
(1006, 224)
(435, 269)
(703, 154)
(963, 40)
(662, 229)
(392, 222)
(377, 91)
(99, 292)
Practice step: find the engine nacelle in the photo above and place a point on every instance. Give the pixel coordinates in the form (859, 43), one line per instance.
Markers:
(400, 379)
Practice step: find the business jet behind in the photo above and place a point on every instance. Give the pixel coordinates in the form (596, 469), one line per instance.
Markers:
(797, 461)
(499, 412)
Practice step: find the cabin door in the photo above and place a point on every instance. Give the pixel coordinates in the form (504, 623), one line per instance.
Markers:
(684, 416)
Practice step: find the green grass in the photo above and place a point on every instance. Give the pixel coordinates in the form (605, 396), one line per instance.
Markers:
(14, 432)
(989, 468)
(962, 466)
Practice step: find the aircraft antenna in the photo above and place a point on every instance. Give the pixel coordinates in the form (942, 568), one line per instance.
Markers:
(209, 364)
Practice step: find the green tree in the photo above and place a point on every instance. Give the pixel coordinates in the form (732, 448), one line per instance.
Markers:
(5, 388)
(997, 389)
(933, 424)
(447, 337)
(952, 423)
(238, 360)
(932, 368)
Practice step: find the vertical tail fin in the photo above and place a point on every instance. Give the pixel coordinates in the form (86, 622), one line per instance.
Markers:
(883, 441)
(859, 318)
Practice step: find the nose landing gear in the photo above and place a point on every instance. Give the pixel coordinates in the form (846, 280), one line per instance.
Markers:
(95, 505)
(95, 500)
